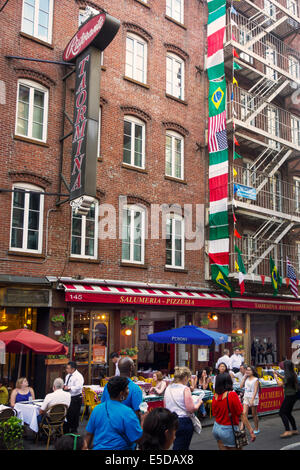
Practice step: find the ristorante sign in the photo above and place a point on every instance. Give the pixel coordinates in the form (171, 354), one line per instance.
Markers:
(85, 47)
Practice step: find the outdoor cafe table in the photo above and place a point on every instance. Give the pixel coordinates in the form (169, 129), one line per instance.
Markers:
(28, 413)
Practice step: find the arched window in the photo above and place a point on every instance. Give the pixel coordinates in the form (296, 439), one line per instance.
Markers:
(134, 142)
(174, 155)
(133, 234)
(175, 76)
(136, 58)
(84, 236)
(174, 241)
(27, 218)
(32, 110)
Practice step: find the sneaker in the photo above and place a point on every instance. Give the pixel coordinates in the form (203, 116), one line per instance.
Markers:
(286, 434)
(256, 431)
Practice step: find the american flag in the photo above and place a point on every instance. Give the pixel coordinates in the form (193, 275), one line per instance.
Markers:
(292, 277)
(217, 135)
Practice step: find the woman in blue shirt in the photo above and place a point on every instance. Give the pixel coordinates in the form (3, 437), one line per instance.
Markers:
(113, 425)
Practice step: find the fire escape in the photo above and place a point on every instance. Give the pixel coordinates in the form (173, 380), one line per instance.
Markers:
(266, 134)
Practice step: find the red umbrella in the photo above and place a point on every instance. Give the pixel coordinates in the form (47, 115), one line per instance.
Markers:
(23, 340)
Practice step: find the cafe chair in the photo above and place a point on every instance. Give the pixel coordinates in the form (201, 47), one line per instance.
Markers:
(103, 382)
(259, 371)
(6, 414)
(90, 400)
(209, 402)
(142, 379)
(52, 422)
(267, 377)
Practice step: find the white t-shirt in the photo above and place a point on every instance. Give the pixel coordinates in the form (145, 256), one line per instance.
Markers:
(236, 360)
(174, 400)
(58, 397)
(117, 372)
(224, 359)
(249, 388)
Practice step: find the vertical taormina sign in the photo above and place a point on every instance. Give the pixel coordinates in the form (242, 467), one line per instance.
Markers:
(85, 47)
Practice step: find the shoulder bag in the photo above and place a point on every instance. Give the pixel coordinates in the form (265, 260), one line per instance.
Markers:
(196, 422)
(240, 437)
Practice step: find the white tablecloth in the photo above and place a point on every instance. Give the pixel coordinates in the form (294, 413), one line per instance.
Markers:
(28, 414)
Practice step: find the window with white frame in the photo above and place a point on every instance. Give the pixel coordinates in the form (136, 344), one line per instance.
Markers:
(136, 58)
(295, 130)
(298, 253)
(85, 233)
(271, 57)
(174, 155)
(175, 10)
(133, 234)
(273, 126)
(249, 248)
(244, 37)
(134, 142)
(294, 67)
(27, 218)
(174, 241)
(297, 193)
(37, 19)
(32, 110)
(247, 106)
(270, 8)
(175, 76)
(292, 7)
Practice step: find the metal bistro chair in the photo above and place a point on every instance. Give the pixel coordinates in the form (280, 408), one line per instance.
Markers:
(209, 402)
(52, 422)
(6, 414)
(90, 399)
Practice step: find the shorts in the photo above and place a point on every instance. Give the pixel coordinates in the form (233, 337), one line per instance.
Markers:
(247, 400)
(224, 434)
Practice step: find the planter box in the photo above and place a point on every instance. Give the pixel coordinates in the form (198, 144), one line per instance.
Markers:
(134, 358)
(56, 361)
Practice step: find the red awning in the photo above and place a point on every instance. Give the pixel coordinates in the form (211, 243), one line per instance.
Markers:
(143, 296)
(277, 305)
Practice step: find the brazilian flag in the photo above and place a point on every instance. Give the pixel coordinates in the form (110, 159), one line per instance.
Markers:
(276, 278)
(219, 275)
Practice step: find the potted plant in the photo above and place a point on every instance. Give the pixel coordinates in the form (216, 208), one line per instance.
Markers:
(11, 434)
(65, 339)
(58, 320)
(55, 359)
(128, 320)
(204, 321)
(129, 352)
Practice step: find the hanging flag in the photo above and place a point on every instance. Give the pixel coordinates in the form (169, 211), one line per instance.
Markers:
(291, 274)
(287, 281)
(236, 233)
(220, 276)
(236, 66)
(234, 172)
(235, 54)
(234, 81)
(242, 283)
(236, 156)
(234, 218)
(215, 65)
(233, 37)
(235, 141)
(217, 135)
(216, 30)
(263, 278)
(274, 276)
(216, 97)
(215, 4)
(239, 261)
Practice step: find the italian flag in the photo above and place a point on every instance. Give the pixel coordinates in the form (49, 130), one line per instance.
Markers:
(215, 39)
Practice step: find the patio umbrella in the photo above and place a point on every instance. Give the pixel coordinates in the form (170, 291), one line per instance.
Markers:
(295, 338)
(189, 334)
(24, 340)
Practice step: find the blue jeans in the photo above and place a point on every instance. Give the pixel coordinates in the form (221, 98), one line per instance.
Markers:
(184, 434)
(224, 434)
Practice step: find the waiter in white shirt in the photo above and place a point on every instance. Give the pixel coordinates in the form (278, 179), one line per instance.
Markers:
(115, 357)
(236, 360)
(73, 384)
(225, 359)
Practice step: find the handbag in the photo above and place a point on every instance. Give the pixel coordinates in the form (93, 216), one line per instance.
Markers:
(240, 437)
(195, 420)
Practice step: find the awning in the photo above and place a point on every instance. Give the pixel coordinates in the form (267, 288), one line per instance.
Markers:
(277, 305)
(143, 296)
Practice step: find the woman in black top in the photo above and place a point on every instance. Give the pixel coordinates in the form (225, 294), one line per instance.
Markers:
(290, 384)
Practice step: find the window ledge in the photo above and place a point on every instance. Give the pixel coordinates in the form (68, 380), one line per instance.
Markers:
(73, 259)
(33, 38)
(144, 85)
(175, 21)
(176, 270)
(134, 168)
(176, 99)
(143, 3)
(26, 253)
(30, 141)
(125, 264)
(176, 180)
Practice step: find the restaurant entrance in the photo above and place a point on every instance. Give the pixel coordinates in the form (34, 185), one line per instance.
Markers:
(264, 339)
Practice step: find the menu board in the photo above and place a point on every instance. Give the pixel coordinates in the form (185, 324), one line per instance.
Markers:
(99, 353)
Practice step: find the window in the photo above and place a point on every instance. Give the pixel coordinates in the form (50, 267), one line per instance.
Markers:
(270, 8)
(276, 188)
(247, 107)
(134, 142)
(245, 36)
(37, 19)
(271, 57)
(297, 194)
(298, 253)
(27, 219)
(175, 76)
(174, 241)
(85, 233)
(249, 174)
(174, 9)
(295, 130)
(136, 58)
(292, 7)
(294, 67)
(174, 155)
(133, 234)
(273, 127)
(32, 110)
(250, 253)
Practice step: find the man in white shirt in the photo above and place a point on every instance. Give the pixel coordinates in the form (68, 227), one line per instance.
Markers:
(73, 383)
(225, 359)
(57, 397)
(115, 359)
(240, 375)
(236, 361)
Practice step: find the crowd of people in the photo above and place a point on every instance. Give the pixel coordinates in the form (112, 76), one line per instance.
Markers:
(118, 423)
